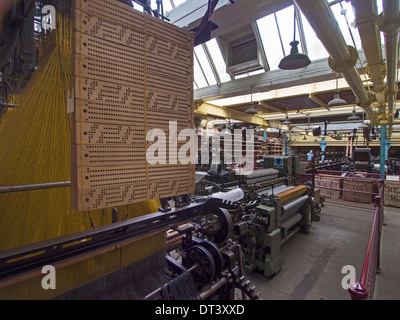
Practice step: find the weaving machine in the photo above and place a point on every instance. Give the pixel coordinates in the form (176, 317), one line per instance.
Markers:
(90, 199)
(208, 246)
(93, 207)
(264, 220)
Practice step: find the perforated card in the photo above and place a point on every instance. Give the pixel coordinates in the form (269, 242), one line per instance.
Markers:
(133, 77)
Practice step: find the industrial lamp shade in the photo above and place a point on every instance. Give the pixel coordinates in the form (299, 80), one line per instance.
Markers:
(353, 116)
(294, 60)
(287, 121)
(337, 101)
(251, 110)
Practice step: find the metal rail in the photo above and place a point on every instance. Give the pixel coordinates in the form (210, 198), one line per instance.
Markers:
(364, 289)
(336, 173)
(35, 186)
(28, 258)
(21, 260)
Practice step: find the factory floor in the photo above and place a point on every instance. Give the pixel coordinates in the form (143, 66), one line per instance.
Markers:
(312, 263)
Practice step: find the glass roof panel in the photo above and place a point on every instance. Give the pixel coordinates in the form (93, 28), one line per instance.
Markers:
(178, 2)
(252, 73)
(240, 76)
(380, 6)
(285, 18)
(349, 33)
(315, 49)
(219, 61)
(167, 6)
(208, 72)
(276, 33)
(270, 40)
(199, 78)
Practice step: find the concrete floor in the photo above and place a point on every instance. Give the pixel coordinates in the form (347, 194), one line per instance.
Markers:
(312, 263)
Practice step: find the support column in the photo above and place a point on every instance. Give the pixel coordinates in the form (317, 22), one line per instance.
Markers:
(383, 149)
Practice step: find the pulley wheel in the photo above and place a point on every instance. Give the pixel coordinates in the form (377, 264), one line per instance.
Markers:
(205, 271)
(225, 225)
(216, 253)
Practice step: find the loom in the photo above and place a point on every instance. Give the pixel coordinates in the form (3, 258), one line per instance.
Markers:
(265, 220)
(208, 245)
(206, 270)
(113, 226)
(89, 198)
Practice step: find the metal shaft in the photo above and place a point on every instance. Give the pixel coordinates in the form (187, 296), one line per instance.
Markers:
(36, 186)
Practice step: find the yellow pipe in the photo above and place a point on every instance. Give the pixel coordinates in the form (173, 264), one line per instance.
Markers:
(386, 122)
(343, 58)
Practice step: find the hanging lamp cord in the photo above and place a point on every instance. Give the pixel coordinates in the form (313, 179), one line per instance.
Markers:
(294, 23)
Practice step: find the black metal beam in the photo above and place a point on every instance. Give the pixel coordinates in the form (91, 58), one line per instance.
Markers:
(28, 258)
(21, 260)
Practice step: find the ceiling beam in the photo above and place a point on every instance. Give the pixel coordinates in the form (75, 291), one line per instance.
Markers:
(190, 13)
(317, 71)
(277, 109)
(211, 110)
(316, 112)
(215, 111)
(285, 93)
(317, 100)
(266, 81)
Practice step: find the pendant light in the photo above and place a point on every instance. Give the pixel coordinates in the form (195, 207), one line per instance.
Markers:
(228, 127)
(294, 60)
(287, 121)
(354, 116)
(251, 110)
(337, 101)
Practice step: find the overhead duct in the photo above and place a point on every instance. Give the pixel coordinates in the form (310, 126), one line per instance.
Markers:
(388, 23)
(343, 58)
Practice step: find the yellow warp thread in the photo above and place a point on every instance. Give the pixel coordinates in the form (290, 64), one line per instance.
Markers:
(35, 144)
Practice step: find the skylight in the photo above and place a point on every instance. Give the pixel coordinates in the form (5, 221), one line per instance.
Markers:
(275, 35)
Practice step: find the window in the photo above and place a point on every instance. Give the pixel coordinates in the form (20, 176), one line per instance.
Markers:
(177, 2)
(276, 31)
(205, 65)
(315, 49)
(270, 40)
(219, 61)
(199, 76)
(345, 18)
